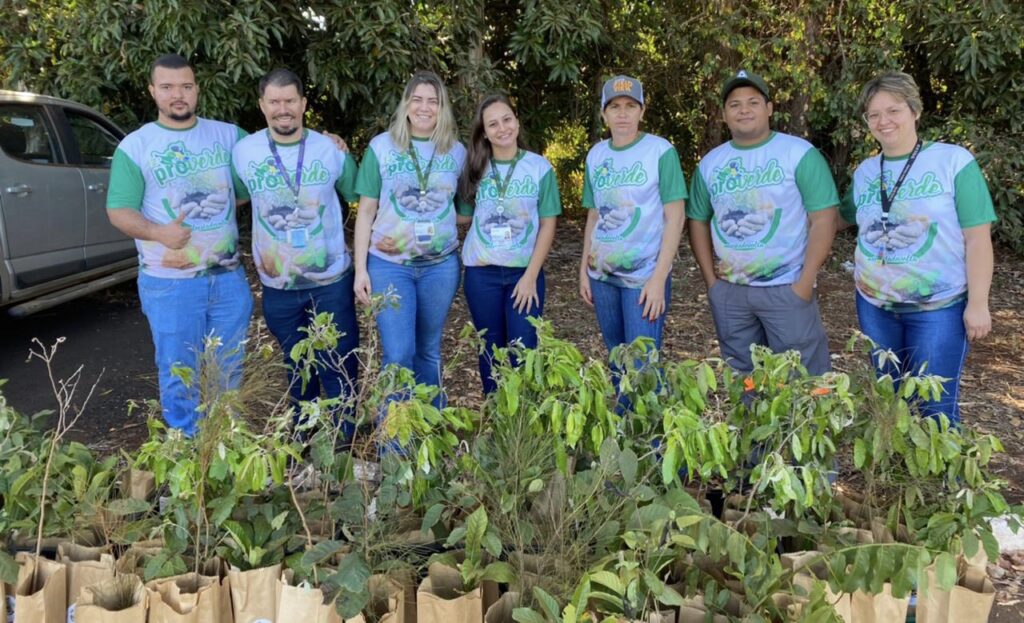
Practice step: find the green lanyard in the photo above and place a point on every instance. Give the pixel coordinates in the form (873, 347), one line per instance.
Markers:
(502, 186)
(421, 177)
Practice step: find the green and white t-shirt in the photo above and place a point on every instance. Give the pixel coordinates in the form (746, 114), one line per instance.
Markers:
(629, 187)
(414, 225)
(757, 198)
(298, 242)
(504, 232)
(923, 246)
(163, 172)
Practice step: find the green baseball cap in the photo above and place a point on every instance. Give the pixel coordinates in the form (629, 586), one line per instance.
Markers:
(744, 78)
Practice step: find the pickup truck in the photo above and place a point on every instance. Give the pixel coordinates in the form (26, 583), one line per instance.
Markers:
(56, 243)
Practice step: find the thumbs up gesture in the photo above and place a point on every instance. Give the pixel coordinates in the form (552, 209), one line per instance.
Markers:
(175, 234)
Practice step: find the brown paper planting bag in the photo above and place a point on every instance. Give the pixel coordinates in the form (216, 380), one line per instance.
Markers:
(501, 610)
(440, 598)
(254, 594)
(43, 598)
(117, 600)
(189, 598)
(303, 602)
(86, 566)
(970, 601)
(387, 601)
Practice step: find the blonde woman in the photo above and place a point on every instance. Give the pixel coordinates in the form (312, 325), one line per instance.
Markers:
(405, 237)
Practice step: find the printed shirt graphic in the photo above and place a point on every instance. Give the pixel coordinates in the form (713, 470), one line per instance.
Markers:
(164, 172)
(925, 259)
(757, 199)
(506, 237)
(411, 227)
(629, 187)
(297, 242)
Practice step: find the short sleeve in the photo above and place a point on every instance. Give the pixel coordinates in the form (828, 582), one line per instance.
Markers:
(588, 193)
(671, 182)
(241, 191)
(973, 200)
(847, 206)
(698, 207)
(241, 134)
(815, 183)
(127, 183)
(346, 182)
(550, 202)
(368, 180)
(462, 207)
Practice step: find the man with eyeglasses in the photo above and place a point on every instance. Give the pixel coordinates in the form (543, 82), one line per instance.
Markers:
(765, 202)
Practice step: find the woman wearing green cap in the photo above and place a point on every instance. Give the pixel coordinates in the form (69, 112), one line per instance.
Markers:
(634, 190)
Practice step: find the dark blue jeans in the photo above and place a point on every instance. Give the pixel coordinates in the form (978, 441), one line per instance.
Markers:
(489, 296)
(935, 337)
(620, 314)
(286, 311)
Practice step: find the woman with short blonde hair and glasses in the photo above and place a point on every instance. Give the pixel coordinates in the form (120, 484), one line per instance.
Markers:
(924, 249)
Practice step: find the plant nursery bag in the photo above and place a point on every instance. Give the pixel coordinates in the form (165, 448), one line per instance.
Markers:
(42, 599)
(970, 601)
(387, 601)
(501, 610)
(303, 603)
(694, 612)
(440, 598)
(115, 600)
(878, 608)
(139, 484)
(86, 566)
(189, 598)
(254, 594)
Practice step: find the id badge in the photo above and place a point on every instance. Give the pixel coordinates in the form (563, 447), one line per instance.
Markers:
(298, 238)
(501, 235)
(424, 231)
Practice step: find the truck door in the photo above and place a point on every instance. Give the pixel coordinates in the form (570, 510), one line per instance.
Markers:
(41, 198)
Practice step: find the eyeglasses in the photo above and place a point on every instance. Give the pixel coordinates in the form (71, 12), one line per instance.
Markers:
(875, 116)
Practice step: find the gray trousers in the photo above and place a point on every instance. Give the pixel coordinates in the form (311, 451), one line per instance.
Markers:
(773, 316)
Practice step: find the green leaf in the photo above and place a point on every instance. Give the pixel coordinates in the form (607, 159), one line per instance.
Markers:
(527, 615)
(500, 572)
(608, 580)
(8, 568)
(628, 464)
(476, 527)
(353, 573)
(121, 508)
(860, 450)
(536, 485)
(321, 552)
(221, 508)
(551, 608)
(431, 517)
(945, 571)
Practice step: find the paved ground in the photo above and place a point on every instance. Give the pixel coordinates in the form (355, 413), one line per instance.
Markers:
(106, 333)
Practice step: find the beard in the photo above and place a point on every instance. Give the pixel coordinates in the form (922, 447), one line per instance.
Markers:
(182, 116)
(286, 131)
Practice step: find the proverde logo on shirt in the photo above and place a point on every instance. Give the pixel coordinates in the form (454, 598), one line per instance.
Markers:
(398, 163)
(734, 177)
(607, 176)
(927, 186)
(517, 187)
(264, 176)
(177, 161)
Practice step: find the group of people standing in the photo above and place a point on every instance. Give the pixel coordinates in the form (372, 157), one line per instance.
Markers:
(764, 203)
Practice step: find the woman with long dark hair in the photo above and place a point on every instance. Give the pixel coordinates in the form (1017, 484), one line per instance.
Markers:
(510, 195)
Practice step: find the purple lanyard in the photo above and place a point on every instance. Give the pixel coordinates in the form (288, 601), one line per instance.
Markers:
(280, 165)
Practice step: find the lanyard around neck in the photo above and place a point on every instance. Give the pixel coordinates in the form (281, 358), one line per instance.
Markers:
(502, 186)
(297, 186)
(887, 199)
(422, 177)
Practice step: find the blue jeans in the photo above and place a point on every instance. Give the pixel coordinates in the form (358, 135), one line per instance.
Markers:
(620, 315)
(287, 311)
(489, 297)
(935, 337)
(181, 314)
(410, 333)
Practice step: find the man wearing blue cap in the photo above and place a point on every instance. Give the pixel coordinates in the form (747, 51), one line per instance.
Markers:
(771, 202)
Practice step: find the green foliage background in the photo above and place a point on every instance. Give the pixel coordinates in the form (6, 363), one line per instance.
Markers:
(967, 55)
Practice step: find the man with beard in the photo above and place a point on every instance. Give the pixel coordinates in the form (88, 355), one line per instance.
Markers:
(171, 190)
(294, 178)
